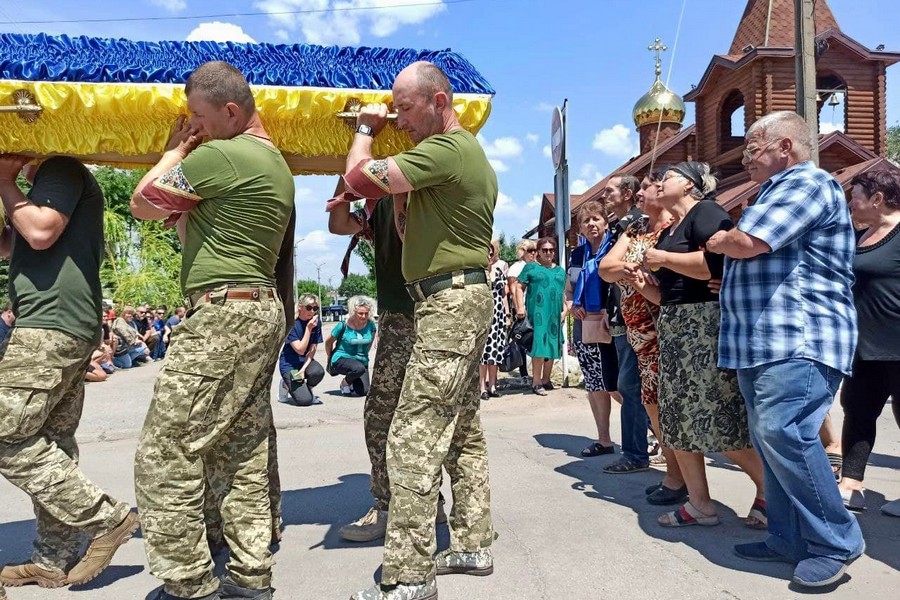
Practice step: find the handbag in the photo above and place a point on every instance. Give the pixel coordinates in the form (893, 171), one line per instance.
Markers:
(337, 341)
(595, 328)
(512, 358)
(523, 333)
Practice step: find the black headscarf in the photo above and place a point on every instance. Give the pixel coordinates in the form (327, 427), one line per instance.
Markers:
(693, 171)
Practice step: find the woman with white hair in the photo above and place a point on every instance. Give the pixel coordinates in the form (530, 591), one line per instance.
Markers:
(348, 344)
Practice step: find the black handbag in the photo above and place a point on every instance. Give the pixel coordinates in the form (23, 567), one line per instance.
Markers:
(512, 358)
(523, 333)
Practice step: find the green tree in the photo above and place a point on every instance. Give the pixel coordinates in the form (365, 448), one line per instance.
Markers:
(355, 285)
(507, 249)
(893, 143)
(366, 253)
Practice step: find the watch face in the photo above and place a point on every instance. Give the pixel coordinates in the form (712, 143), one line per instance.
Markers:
(364, 129)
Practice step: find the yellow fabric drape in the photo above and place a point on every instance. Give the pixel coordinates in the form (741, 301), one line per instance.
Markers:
(127, 125)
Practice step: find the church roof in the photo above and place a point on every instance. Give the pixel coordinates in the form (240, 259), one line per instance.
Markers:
(770, 23)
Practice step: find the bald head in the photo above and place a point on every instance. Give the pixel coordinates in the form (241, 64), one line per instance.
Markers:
(426, 78)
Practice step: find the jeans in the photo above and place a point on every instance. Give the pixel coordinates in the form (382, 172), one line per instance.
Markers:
(126, 361)
(634, 416)
(787, 402)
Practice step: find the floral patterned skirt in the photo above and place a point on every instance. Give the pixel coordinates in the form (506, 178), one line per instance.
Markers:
(700, 405)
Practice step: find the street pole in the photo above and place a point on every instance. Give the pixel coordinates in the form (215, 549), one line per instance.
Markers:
(319, 286)
(805, 49)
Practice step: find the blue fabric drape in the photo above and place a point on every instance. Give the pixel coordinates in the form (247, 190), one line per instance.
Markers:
(590, 290)
(42, 57)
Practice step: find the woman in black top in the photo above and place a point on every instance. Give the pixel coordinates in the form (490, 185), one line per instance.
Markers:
(700, 406)
(875, 204)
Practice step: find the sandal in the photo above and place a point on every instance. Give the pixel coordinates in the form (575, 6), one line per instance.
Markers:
(686, 515)
(837, 463)
(539, 390)
(493, 393)
(756, 518)
(549, 386)
(484, 395)
(623, 466)
(664, 495)
(658, 460)
(598, 449)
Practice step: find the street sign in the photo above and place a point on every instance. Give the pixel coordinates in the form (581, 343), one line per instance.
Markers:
(557, 138)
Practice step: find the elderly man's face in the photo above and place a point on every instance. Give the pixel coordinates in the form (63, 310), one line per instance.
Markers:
(764, 157)
(614, 198)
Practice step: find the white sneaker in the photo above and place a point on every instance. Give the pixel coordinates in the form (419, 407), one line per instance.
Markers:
(370, 527)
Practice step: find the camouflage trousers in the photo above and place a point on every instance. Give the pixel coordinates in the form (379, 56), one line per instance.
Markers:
(209, 421)
(41, 397)
(437, 423)
(396, 334)
(215, 489)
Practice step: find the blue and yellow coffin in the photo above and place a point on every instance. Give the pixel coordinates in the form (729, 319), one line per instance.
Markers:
(113, 101)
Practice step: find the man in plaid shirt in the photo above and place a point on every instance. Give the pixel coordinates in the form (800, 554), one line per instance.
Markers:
(789, 328)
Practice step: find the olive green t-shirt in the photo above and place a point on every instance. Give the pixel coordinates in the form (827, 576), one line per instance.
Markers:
(59, 288)
(389, 283)
(450, 216)
(235, 231)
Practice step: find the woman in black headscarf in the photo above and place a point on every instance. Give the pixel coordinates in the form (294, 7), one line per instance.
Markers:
(700, 406)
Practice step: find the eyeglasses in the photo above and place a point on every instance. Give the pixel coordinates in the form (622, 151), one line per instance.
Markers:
(548, 250)
(749, 153)
(311, 307)
(531, 251)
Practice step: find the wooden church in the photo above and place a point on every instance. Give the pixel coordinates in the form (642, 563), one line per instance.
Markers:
(756, 77)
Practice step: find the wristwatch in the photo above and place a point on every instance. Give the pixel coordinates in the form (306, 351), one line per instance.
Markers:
(365, 130)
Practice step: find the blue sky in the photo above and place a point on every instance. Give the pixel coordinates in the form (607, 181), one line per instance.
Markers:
(534, 52)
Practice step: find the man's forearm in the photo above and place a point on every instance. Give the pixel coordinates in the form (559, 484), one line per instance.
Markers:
(737, 244)
(360, 149)
(140, 207)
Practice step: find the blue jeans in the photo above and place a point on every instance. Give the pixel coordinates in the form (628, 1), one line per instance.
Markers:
(634, 416)
(786, 404)
(126, 361)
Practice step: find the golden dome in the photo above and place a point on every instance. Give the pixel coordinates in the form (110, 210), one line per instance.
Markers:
(660, 104)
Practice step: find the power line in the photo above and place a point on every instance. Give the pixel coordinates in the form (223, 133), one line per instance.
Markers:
(232, 15)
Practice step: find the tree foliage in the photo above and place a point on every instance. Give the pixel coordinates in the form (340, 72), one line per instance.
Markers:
(366, 253)
(893, 143)
(355, 285)
(311, 286)
(143, 259)
(507, 249)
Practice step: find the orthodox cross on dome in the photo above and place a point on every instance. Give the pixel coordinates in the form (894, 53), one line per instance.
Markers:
(659, 48)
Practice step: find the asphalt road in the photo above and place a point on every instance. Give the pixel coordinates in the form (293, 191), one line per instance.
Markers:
(566, 529)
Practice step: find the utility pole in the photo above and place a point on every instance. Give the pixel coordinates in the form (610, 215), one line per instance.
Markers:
(805, 49)
(319, 286)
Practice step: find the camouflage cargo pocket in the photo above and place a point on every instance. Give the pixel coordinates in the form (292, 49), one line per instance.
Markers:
(201, 385)
(25, 401)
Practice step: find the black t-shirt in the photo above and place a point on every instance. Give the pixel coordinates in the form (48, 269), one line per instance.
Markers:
(876, 293)
(701, 222)
(614, 294)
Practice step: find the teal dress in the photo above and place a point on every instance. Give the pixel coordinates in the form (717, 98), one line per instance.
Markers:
(544, 287)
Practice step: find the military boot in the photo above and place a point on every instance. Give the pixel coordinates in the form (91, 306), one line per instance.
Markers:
(480, 563)
(101, 550)
(370, 527)
(232, 591)
(25, 573)
(161, 594)
(401, 591)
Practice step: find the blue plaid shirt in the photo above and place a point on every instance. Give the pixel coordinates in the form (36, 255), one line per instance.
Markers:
(796, 301)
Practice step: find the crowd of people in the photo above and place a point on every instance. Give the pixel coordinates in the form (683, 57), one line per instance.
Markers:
(713, 336)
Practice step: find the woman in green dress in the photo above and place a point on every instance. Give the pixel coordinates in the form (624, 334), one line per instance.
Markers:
(544, 281)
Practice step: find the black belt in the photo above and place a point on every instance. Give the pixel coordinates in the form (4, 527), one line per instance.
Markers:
(423, 288)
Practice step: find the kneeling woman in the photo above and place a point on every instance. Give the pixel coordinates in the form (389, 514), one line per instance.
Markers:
(298, 369)
(348, 346)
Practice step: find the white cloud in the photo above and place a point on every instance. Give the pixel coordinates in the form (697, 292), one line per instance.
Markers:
(283, 35)
(544, 107)
(171, 5)
(547, 151)
(532, 138)
(534, 202)
(498, 165)
(380, 18)
(587, 169)
(502, 147)
(617, 141)
(217, 31)
(828, 127)
(305, 195)
(505, 205)
(313, 243)
(579, 186)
